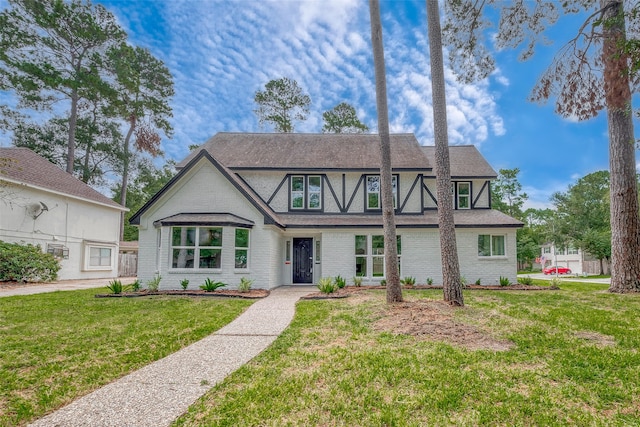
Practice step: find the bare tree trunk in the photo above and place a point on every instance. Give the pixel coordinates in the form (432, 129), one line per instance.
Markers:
(394, 291)
(125, 172)
(71, 142)
(625, 223)
(451, 285)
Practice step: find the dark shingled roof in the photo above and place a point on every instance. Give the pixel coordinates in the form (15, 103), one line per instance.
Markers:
(465, 162)
(21, 165)
(311, 151)
(219, 219)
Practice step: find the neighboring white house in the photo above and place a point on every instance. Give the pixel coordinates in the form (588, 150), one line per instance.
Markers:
(570, 257)
(292, 208)
(578, 261)
(43, 205)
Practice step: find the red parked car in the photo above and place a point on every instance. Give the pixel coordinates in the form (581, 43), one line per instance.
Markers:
(552, 270)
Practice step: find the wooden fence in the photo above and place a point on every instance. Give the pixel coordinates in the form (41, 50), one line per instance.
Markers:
(127, 264)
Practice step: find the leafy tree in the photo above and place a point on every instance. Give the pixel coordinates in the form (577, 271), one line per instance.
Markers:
(54, 50)
(96, 149)
(392, 275)
(342, 119)
(590, 73)
(144, 87)
(506, 193)
(281, 103)
(452, 286)
(583, 214)
(145, 185)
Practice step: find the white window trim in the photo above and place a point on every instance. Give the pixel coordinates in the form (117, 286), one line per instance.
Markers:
(394, 179)
(306, 193)
(242, 248)
(492, 256)
(369, 256)
(88, 245)
(196, 248)
(467, 196)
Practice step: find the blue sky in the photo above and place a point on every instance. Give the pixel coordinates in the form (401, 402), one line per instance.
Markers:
(221, 52)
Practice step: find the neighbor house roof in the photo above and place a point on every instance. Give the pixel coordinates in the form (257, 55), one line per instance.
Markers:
(465, 162)
(298, 151)
(22, 166)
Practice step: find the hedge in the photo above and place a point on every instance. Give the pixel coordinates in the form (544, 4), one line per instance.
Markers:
(26, 263)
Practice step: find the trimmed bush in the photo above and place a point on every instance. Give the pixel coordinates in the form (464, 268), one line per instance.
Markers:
(210, 286)
(408, 281)
(504, 281)
(26, 263)
(340, 282)
(326, 285)
(184, 283)
(245, 284)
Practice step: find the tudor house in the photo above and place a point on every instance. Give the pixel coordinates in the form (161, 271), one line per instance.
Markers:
(291, 208)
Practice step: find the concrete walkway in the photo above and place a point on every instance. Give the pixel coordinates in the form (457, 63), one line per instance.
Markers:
(157, 394)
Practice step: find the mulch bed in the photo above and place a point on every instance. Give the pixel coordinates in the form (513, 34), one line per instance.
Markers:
(349, 290)
(251, 294)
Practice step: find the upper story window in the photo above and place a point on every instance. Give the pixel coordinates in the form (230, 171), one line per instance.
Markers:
(461, 195)
(464, 195)
(374, 191)
(306, 192)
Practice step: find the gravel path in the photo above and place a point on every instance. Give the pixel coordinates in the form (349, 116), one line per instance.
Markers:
(157, 394)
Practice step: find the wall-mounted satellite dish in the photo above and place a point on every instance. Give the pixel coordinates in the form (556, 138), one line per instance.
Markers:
(36, 209)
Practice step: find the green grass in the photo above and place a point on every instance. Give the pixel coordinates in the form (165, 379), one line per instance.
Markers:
(574, 361)
(58, 346)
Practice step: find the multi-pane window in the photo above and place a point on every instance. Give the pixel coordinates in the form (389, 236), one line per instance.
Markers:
(461, 195)
(99, 257)
(306, 192)
(361, 255)
(370, 260)
(491, 245)
(546, 250)
(242, 248)
(464, 194)
(374, 191)
(196, 247)
(572, 251)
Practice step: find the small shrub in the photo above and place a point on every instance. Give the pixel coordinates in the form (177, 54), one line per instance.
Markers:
(429, 281)
(210, 286)
(527, 280)
(554, 283)
(26, 263)
(463, 281)
(245, 284)
(326, 285)
(116, 287)
(340, 282)
(135, 286)
(383, 282)
(184, 283)
(154, 283)
(357, 281)
(478, 282)
(504, 281)
(408, 281)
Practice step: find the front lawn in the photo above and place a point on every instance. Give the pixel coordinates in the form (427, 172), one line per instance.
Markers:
(58, 346)
(535, 358)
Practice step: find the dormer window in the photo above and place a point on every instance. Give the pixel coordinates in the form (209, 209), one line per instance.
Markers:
(374, 191)
(306, 192)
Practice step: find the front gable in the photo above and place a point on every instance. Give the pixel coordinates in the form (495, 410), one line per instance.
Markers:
(204, 185)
